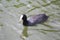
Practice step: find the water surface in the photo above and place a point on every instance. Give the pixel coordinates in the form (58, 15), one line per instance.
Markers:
(11, 29)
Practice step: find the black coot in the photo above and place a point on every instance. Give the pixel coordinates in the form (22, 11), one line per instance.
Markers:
(33, 20)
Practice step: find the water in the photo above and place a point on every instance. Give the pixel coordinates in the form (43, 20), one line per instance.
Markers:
(11, 29)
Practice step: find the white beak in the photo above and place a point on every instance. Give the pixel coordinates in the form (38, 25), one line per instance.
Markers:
(20, 19)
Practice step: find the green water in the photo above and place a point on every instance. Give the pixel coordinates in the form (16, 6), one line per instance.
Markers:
(11, 29)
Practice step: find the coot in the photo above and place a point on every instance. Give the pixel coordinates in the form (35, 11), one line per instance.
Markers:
(33, 20)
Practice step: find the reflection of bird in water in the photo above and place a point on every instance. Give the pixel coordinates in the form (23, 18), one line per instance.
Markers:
(24, 33)
(33, 20)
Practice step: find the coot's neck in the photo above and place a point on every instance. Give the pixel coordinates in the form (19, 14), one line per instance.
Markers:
(25, 22)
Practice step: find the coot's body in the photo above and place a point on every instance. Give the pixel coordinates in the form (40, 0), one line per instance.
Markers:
(33, 20)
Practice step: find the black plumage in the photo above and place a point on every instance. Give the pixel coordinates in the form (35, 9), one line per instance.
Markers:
(33, 20)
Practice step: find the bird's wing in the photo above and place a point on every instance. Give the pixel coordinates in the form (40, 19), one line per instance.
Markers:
(33, 19)
(36, 18)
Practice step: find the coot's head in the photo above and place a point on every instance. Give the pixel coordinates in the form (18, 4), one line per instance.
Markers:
(23, 17)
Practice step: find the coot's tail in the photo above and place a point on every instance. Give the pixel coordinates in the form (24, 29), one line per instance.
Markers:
(46, 18)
